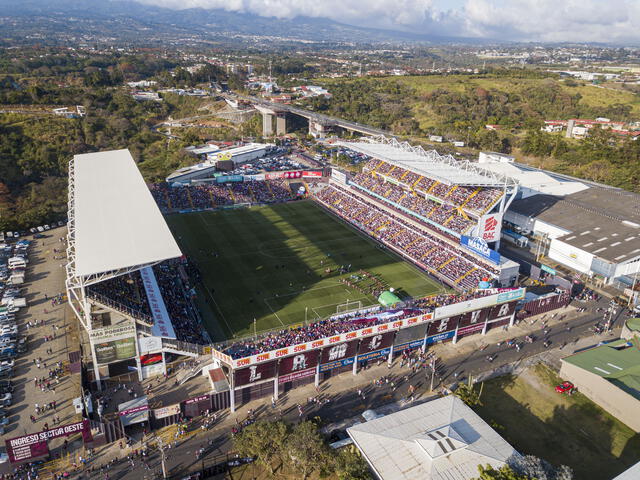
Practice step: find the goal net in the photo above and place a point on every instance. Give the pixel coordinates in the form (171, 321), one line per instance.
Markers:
(349, 306)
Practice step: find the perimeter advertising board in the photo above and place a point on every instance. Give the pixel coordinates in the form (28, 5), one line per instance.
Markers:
(254, 373)
(167, 411)
(34, 445)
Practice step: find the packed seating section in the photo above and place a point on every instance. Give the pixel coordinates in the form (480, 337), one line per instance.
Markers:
(472, 199)
(213, 195)
(457, 267)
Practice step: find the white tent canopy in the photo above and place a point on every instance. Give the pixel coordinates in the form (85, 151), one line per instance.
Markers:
(116, 220)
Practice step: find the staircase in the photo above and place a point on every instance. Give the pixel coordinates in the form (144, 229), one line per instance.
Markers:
(188, 373)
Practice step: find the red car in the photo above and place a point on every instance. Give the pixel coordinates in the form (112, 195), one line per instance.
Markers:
(565, 387)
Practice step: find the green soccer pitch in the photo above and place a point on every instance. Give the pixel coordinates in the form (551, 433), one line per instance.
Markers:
(269, 263)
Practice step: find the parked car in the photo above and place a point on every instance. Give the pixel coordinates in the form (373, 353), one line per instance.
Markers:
(565, 387)
(5, 399)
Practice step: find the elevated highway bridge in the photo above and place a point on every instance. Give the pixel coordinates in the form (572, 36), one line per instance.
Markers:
(319, 124)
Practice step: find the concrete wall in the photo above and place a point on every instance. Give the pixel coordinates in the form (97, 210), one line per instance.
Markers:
(614, 400)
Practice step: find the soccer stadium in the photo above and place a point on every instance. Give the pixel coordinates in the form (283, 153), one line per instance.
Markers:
(288, 279)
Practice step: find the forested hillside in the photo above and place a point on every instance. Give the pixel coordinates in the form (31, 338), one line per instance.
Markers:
(36, 146)
(517, 102)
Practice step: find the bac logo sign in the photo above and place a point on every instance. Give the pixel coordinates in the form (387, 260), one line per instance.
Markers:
(490, 225)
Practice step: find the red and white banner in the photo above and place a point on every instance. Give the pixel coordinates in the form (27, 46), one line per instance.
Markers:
(323, 342)
(34, 445)
(312, 173)
(489, 227)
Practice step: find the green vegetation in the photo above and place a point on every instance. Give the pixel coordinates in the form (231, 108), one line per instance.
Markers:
(268, 264)
(562, 429)
(518, 101)
(297, 451)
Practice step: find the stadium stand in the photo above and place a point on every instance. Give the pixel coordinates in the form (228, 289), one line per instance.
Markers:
(475, 200)
(216, 195)
(426, 250)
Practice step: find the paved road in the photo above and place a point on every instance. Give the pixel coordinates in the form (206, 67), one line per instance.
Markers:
(182, 458)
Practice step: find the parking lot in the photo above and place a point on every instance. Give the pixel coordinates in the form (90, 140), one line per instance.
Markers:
(38, 379)
(276, 162)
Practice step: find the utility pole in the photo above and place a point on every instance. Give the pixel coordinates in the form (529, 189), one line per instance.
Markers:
(433, 372)
(163, 457)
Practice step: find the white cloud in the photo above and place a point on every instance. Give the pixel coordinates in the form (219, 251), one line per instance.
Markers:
(534, 20)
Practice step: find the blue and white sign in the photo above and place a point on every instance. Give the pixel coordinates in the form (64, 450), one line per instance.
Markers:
(325, 367)
(479, 246)
(371, 355)
(441, 337)
(516, 294)
(412, 344)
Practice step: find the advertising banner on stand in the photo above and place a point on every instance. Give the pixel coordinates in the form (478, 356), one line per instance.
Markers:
(299, 362)
(108, 352)
(377, 342)
(443, 325)
(254, 373)
(477, 317)
(502, 310)
(27, 447)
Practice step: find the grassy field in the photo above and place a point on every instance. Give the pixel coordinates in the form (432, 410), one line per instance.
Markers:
(569, 430)
(268, 264)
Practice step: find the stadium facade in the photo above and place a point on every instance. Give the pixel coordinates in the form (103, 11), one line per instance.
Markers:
(116, 230)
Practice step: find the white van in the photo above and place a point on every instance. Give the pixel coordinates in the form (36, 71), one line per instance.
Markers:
(17, 262)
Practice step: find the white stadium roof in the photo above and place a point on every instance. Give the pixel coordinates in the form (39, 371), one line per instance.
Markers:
(116, 220)
(441, 439)
(443, 168)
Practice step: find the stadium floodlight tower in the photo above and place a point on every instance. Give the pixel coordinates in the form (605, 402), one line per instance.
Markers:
(114, 228)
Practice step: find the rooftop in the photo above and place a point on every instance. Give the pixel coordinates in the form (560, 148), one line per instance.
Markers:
(442, 439)
(443, 168)
(618, 362)
(116, 221)
(601, 221)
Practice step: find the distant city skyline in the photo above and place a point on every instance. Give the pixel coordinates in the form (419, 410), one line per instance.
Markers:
(607, 21)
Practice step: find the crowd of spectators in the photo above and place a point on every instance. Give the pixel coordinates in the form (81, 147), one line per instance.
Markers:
(475, 199)
(427, 251)
(127, 294)
(442, 214)
(176, 293)
(213, 195)
(322, 329)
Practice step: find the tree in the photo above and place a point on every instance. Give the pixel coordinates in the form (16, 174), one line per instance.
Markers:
(534, 467)
(265, 440)
(349, 465)
(306, 450)
(467, 393)
(503, 473)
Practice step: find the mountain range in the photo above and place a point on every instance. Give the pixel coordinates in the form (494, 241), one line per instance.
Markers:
(127, 20)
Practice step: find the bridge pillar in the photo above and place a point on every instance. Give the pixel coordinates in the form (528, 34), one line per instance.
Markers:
(316, 130)
(281, 124)
(267, 125)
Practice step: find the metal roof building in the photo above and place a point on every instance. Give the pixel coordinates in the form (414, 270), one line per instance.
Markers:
(441, 440)
(610, 376)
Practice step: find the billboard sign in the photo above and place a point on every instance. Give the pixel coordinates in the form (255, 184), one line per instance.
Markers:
(475, 317)
(312, 174)
(440, 337)
(149, 344)
(296, 363)
(478, 303)
(115, 332)
(167, 411)
(511, 295)
(254, 373)
(289, 377)
(327, 341)
(371, 355)
(489, 227)
(162, 326)
(470, 329)
(376, 342)
(325, 367)
(479, 246)
(443, 325)
(229, 178)
(504, 310)
(34, 445)
(108, 352)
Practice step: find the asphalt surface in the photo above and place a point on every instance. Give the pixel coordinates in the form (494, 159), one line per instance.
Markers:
(183, 457)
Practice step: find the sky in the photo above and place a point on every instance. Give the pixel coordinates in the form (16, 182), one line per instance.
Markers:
(609, 21)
